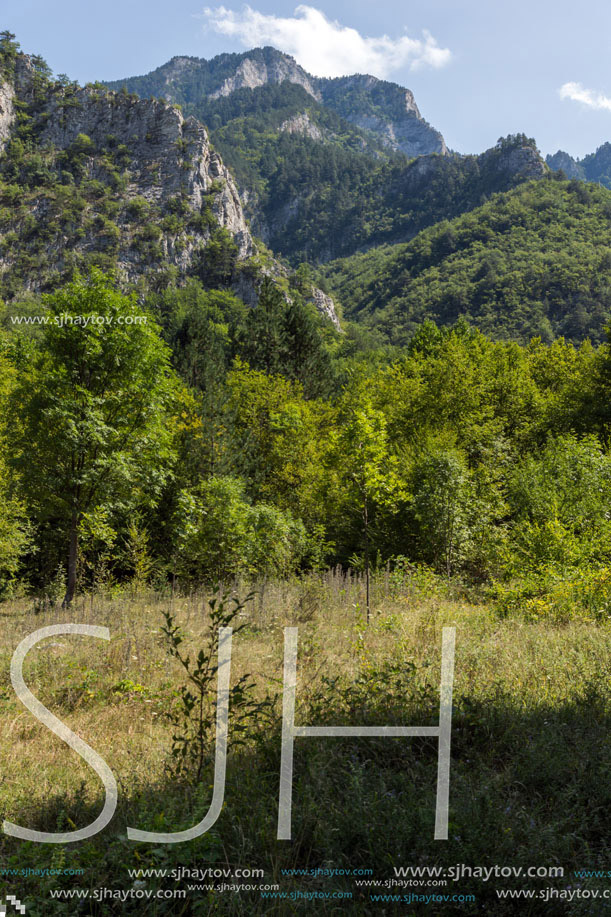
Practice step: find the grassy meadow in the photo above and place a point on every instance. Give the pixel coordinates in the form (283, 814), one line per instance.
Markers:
(530, 771)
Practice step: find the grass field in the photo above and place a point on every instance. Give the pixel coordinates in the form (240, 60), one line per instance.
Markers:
(531, 758)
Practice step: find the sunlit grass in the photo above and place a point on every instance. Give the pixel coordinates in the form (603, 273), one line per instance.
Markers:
(530, 735)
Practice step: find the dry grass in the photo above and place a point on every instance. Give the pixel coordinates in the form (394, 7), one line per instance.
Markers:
(115, 695)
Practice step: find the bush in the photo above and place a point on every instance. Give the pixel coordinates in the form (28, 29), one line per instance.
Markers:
(222, 535)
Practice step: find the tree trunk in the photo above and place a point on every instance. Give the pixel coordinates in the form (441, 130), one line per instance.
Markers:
(72, 558)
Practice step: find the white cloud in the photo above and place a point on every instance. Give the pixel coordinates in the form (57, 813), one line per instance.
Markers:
(588, 97)
(326, 48)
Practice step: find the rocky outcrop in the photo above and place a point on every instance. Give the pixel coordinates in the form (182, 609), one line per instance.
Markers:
(562, 161)
(325, 305)
(410, 134)
(385, 109)
(247, 286)
(168, 154)
(145, 191)
(302, 124)
(7, 112)
(595, 167)
(277, 68)
(521, 161)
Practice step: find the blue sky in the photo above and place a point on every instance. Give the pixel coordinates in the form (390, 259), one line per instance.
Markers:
(486, 69)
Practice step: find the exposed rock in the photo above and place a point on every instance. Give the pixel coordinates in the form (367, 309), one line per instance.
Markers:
(412, 135)
(386, 109)
(595, 167)
(325, 305)
(247, 286)
(174, 70)
(7, 112)
(301, 124)
(278, 68)
(169, 155)
(521, 161)
(157, 160)
(562, 161)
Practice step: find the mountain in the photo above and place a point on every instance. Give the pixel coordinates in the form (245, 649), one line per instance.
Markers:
(313, 160)
(533, 261)
(386, 110)
(93, 177)
(595, 167)
(98, 176)
(318, 201)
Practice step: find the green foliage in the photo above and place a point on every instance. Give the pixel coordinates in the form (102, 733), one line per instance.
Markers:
(94, 405)
(84, 191)
(278, 442)
(222, 535)
(218, 259)
(9, 49)
(288, 338)
(595, 167)
(531, 262)
(15, 528)
(319, 187)
(194, 713)
(442, 507)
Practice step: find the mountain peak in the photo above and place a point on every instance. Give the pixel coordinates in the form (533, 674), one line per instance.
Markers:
(260, 70)
(384, 109)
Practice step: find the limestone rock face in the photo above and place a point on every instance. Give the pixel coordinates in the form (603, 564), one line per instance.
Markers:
(570, 167)
(169, 155)
(250, 74)
(523, 162)
(325, 305)
(7, 112)
(384, 108)
(170, 190)
(387, 110)
(302, 124)
(248, 283)
(166, 157)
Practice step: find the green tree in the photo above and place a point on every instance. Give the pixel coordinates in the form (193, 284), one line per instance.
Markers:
(95, 406)
(279, 440)
(265, 336)
(218, 259)
(441, 499)
(221, 534)
(368, 478)
(560, 499)
(14, 526)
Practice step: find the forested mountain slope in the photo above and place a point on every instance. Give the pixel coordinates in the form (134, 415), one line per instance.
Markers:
(534, 261)
(314, 159)
(386, 110)
(91, 177)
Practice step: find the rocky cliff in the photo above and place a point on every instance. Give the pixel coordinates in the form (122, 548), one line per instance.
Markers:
(595, 167)
(7, 112)
(152, 160)
(275, 68)
(561, 161)
(384, 109)
(105, 178)
(516, 157)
